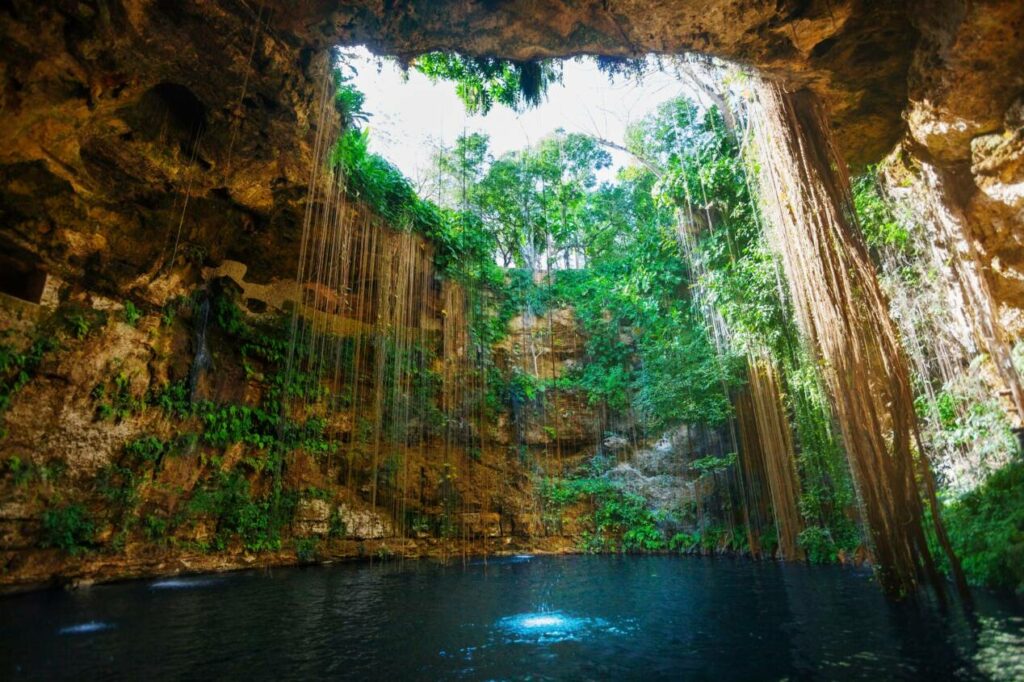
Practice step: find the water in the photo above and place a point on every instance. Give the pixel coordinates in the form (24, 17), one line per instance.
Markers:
(516, 618)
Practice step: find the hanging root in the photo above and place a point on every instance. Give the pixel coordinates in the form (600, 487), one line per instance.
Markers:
(844, 315)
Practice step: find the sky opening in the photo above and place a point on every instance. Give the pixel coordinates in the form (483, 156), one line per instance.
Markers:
(411, 116)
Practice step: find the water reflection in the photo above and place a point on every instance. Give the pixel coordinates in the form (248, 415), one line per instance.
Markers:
(84, 628)
(1000, 654)
(540, 617)
(182, 583)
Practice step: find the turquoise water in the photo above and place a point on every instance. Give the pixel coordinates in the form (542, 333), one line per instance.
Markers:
(585, 617)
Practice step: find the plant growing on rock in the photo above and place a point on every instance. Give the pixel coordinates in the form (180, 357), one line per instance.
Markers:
(69, 528)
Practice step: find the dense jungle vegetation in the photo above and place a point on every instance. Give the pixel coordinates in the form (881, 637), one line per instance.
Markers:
(675, 288)
(655, 265)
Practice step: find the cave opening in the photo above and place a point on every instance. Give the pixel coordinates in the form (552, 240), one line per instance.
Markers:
(21, 275)
(170, 113)
(707, 322)
(665, 365)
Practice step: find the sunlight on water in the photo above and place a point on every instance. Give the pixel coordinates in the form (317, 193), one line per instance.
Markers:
(499, 560)
(84, 628)
(182, 583)
(553, 626)
(1001, 650)
(551, 621)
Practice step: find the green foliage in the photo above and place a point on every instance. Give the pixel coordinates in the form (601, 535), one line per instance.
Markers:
(710, 538)
(878, 223)
(986, 529)
(255, 521)
(683, 542)
(79, 326)
(17, 368)
(480, 82)
(147, 449)
(115, 399)
(818, 544)
(969, 419)
(307, 549)
(131, 314)
(827, 496)
(79, 321)
(69, 528)
(382, 186)
(769, 540)
(620, 521)
(25, 472)
(19, 471)
(522, 387)
(156, 528)
(170, 311)
(336, 525)
(711, 464)
(119, 485)
(348, 100)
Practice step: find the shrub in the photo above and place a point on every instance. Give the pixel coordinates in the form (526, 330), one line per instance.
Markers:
(683, 542)
(307, 549)
(155, 528)
(818, 545)
(621, 521)
(147, 449)
(986, 529)
(255, 521)
(69, 528)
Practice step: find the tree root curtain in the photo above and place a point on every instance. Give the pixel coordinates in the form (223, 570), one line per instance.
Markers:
(844, 316)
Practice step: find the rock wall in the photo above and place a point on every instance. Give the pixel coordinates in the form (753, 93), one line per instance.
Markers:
(149, 146)
(965, 140)
(101, 423)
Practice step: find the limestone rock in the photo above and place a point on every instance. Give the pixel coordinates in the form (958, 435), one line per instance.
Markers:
(364, 524)
(312, 517)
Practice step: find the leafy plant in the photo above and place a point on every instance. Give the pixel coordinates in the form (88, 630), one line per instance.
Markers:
(880, 227)
(986, 529)
(147, 449)
(79, 326)
(69, 528)
(711, 464)
(336, 525)
(155, 528)
(307, 549)
(131, 313)
(480, 82)
(256, 522)
(17, 368)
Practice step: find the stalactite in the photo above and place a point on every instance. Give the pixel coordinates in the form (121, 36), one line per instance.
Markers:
(841, 310)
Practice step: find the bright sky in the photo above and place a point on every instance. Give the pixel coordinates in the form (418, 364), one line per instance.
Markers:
(411, 115)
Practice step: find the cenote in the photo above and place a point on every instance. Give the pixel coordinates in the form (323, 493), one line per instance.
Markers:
(562, 339)
(570, 617)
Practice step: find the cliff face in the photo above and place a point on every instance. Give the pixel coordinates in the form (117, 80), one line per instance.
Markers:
(152, 146)
(144, 440)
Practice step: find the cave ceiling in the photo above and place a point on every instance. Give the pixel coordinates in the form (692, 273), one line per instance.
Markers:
(102, 100)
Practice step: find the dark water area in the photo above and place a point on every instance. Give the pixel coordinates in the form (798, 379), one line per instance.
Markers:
(566, 618)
